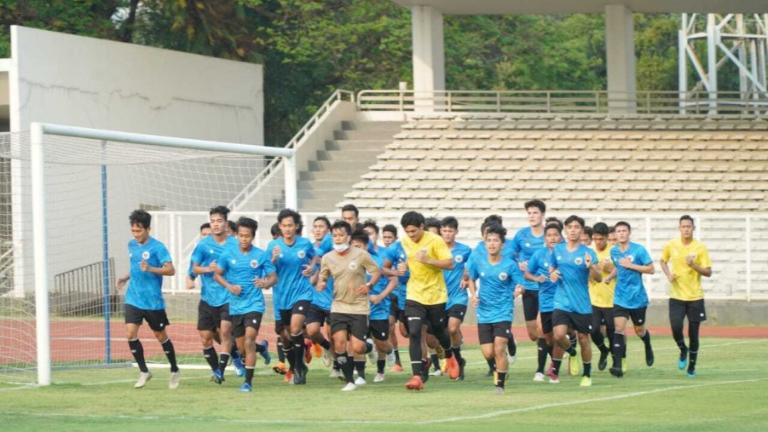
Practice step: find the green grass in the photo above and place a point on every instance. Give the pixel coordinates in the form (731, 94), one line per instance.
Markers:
(728, 394)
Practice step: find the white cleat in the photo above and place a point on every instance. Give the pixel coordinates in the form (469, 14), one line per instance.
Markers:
(511, 359)
(349, 387)
(378, 378)
(144, 378)
(335, 373)
(174, 381)
(391, 359)
(359, 381)
(436, 373)
(326, 358)
(539, 377)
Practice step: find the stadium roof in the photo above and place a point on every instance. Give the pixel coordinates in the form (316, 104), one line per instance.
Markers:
(502, 7)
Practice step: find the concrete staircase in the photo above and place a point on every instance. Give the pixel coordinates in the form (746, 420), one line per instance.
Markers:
(342, 162)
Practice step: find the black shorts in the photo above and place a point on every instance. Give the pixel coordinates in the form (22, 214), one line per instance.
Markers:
(156, 319)
(637, 315)
(693, 309)
(546, 322)
(278, 327)
(602, 317)
(210, 317)
(394, 307)
(379, 329)
(486, 333)
(457, 311)
(530, 305)
(402, 319)
(301, 307)
(354, 324)
(318, 315)
(240, 322)
(433, 316)
(582, 323)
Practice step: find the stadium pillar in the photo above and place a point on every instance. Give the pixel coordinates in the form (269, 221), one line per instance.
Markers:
(620, 58)
(428, 57)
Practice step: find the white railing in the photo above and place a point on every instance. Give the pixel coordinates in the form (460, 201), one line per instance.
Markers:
(6, 271)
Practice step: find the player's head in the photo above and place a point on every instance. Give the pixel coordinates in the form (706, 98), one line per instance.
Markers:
(340, 233)
(623, 231)
(372, 230)
(449, 227)
(574, 225)
(586, 236)
(535, 209)
(274, 230)
(359, 239)
(612, 234)
(246, 231)
(432, 225)
(205, 229)
(231, 228)
(388, 234)
(289, 221)
(490, 220)
(687, 227)
(140, 222)
(350, 214)
(217, 216)
(553, 234)
(495, 236)
(600, 235)
(320, 227)
(413, 224)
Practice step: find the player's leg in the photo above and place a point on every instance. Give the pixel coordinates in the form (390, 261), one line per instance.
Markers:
(638, 319)
(561, 341)
(340, 334)
(415, 314)
(544, 345)
(227, 342)
(298, 317)
(253, 321)
(619, 343)
(455, 318)
(379, 330)
(598, 322)
(500, 354)
(530, 313)
(486, 340)
(677, 311)
(207, 326)
(133, 320)
(438, 322)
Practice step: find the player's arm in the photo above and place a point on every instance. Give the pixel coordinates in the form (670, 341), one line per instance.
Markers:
(704, 271)
(373, 269)
(322, 278)
(595, 274)
(267, 282)
(391, 285)
(167, 268)
(388, 269)
(472, 287)
(122, 281)
(667, 271)
(442, 264)
(234, 289)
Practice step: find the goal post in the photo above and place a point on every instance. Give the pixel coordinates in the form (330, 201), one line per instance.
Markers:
(39, 154)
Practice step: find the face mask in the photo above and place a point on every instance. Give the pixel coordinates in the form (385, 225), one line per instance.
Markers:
(340, 247)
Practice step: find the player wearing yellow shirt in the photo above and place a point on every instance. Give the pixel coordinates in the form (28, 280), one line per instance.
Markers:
(601, 294)
(427, 256)
(689, 261)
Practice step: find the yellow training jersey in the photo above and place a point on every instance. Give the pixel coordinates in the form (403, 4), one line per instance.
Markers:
(426, 284)
(687, 286)
(601, 293)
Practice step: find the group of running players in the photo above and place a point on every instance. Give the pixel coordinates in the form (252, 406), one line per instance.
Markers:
(342, 295)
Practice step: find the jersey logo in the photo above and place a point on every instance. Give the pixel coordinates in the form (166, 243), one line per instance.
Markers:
(301, 254)
(482, 274)
(210, 251)
(578, 261)
(559, 258)
(503, 276)
(254, 263)
(631, 258)
(527, 244)
(353, 265)
(459, 259)
(233, 261)
(145, 255)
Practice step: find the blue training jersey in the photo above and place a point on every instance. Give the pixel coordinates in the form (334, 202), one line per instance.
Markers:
(379, 311)
(630, 291)
(292, 286)
(242, 268)
(456, 294)
(524, 245)
(497, 288)
(145, 289)
(207, 251)
(572, 294)
(322, 299)
(396, 255)
(539, 265)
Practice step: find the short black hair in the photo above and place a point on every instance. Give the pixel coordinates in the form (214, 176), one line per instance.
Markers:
(574, 218)
(205, 226)
(432, 222)
(611, 229)
(352, 208)
(494, 218)
(370, 223)
(221, 210)
(325, 220)
(275, 230)
(555, 226)
(498, 230)
(600, 228)
(390, 228)
(141, 218)
(554, 220)
(688, 218)
(539, 204)
(412, 218)
(289, 213)
(360, 235)
(623, 223)
(450, 222)
(232, 226)
(249, 223)
(340, 224)
(588, 231)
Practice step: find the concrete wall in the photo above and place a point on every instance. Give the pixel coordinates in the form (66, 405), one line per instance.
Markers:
(80, 81)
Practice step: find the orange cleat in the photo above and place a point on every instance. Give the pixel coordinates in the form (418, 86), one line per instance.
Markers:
(317, 350)
(307, 351)
(453, 367)
(288, 377)
(415, 383)
(280, 368)
(396, 368)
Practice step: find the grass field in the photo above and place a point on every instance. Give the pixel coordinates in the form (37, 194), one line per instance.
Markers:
(730, 393)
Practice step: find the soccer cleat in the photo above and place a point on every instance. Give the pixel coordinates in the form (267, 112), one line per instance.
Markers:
(360, 381)
(218, 377)
(349, 387)
(378, 378)
(682, 361)
(317, 350)
(603, 362)
(326, 358)
(436, 373)
(462, 364)
(489, 372)
(538, 377)
(649, 356)
(246, 388)
(624, 366)
(573, 366)
(237, 362)
(300, 375)
(280, 368)
(396, 368)
(288, 377)
(585, 382)
(307, 351)
(425, 366)
(452, 367)
(175, 380)
(144, 378)
(335, 373)
(265, 354)
(511, 359)
(499, 390)
(553, 377)
(691, 374)
(415, 383)
(390, 359)
(617, 372)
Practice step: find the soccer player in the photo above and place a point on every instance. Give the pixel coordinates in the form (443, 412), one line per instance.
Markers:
(294, 259)
(689, 260)
(232, 228)
(572, 265)
(426, 257)
(527, 241)
(586, 236)
(456, 284)
(274, 231)
(494, 302)
(349, 310)
(244, 271)
(601, 294)
(630, 300)
(388, 235)
(432, 225)
(538, 271)
(205, 231)
(393, 260)
(320, 308)
(150, 261)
